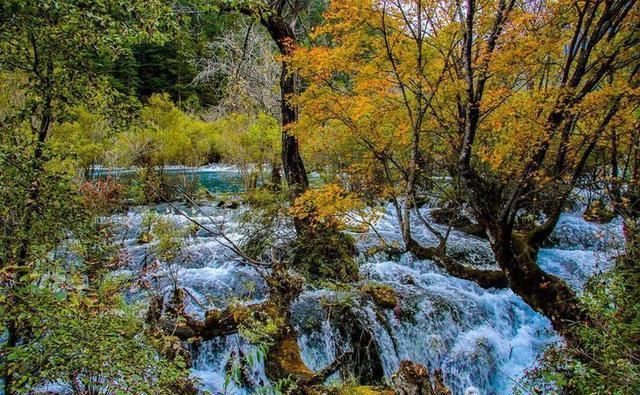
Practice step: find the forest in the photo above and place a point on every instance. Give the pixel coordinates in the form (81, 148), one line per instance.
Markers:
(341, 197)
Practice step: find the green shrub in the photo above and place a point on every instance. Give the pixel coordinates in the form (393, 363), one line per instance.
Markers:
(325, 253)
(603, 355)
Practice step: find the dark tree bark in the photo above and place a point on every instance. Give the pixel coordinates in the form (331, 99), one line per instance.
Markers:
(276, 178)
(495, 202)
(283, 35)
(484, 278)
(544, 292)
(292, 164)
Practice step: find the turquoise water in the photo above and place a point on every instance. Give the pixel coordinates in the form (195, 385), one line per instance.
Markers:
(221, 181)
(214, 180)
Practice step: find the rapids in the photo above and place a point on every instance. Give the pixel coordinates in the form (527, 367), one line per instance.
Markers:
(483, 340)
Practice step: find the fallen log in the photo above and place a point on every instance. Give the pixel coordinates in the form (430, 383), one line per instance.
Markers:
(216, 323)
(484, 278)
(320, 376)
(283, 359)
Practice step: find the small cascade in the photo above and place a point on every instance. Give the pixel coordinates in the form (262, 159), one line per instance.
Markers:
(229, 365)
(479, 338)
(483, 340)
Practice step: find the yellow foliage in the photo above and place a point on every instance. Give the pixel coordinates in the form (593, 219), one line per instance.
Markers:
(365, 82)
(329, 206)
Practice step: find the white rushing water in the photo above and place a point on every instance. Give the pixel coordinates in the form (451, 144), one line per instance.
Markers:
(483, 340)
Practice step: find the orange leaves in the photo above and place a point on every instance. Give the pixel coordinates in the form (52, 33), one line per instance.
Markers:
(369, 76)
(362, 77)
(329, 205)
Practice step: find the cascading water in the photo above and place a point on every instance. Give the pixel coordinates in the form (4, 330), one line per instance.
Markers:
(215, 360)
(483, 340)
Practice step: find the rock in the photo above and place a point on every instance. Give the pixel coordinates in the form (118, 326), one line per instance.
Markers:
(408, 280)
(439, 388)
(474, 230)
(453, 216)
(283, 360)
(351, 390)
(144, 238)
(472, 391)
(154, 311)
(232, 204)
(383, 295)
(365, 365)
(412, 379)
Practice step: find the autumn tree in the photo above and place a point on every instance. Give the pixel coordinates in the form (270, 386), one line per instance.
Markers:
(375, 77)
(545, 80)
(512, 98)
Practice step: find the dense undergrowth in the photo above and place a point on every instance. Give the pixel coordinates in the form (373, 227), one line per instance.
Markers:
(602, 355)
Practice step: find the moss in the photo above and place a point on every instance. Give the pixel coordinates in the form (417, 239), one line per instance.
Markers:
(284, 360)
(144, 238)
(325, 253)
(383, 295)
(351, 389)
(368, 390)
(261, 328)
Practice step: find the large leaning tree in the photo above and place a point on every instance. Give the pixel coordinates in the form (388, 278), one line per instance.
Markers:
(511, 98)
(551, 78)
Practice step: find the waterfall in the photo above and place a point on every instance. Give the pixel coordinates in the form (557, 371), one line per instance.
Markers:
(483, 340)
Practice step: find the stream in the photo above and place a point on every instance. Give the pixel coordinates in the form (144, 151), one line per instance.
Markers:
(482, 340)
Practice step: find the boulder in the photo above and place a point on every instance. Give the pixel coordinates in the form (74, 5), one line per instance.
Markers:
(382, 295)
(231, 204)
(413, 379)
(474, 230)
(453, 216)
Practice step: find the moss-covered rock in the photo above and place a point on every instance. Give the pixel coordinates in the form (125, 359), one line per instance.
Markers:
(323, 253)
(144, 238)
(347, 389)
(231, 204)
(412, 379)
(382, 295)
(283, 360)
(368, 390)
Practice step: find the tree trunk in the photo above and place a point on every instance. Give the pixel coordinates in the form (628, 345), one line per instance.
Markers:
(284, 37)
(12, 341)
(545, 293)
(292, 164)
(484, 278)
(276, 179)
